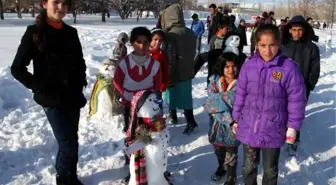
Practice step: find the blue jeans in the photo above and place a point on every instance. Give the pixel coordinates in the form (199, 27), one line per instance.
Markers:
(64, 123)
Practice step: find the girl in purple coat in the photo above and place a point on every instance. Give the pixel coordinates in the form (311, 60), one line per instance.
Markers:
(269, 106)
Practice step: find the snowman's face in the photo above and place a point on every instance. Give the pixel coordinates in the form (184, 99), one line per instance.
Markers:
(233, 41)
(150, 108)
(108, 70)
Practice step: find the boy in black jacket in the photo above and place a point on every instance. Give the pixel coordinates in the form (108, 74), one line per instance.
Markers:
(297, 44)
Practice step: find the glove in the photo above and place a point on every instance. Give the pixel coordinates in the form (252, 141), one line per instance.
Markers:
(290, 136)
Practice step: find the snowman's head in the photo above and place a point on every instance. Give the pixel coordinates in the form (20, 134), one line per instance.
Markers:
(150, 107)
(108, 68)
(232, 41)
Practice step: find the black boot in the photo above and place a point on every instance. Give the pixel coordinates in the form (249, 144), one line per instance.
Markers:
(191, 123)
(220, 172)
(126, 179)
(69, 179)
(172, 117)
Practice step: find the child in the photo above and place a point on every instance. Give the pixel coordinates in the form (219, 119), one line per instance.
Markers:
(297, 44)
(197, 27)
(156, 53)
(270, 98)
(221, 91)
(137, 71)
(216, 42)
(120, 50)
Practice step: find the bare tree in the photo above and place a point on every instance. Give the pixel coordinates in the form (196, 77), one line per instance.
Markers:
(18, 5)
(306, 8)
(1, 9)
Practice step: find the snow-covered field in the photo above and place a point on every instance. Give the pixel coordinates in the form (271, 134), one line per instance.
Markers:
(28, 147)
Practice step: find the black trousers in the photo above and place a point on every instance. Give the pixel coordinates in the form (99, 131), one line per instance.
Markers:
(270, 163)
(227, 156)
(64, 123)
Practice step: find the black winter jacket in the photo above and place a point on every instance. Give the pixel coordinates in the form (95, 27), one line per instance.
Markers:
(213, 27)
(304, 52)
(59, 70)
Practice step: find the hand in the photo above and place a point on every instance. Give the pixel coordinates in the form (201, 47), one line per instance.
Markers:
(290, 136)
(234, 128)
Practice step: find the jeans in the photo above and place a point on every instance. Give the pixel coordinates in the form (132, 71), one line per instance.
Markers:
(64, 123)
(270, 162)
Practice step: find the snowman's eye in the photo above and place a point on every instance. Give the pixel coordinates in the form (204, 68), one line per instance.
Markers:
(150, 99)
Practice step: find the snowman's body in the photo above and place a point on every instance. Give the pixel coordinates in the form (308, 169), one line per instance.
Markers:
(104, 95)
(156, 159)
(156, 151)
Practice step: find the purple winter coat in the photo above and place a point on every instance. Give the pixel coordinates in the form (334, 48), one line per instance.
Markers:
(270, 98)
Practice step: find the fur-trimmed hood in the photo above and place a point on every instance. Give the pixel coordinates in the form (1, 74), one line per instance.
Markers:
(297, 20)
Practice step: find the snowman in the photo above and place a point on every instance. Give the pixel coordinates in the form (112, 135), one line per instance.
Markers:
(147, 138)
(104, 101)
(232, 44)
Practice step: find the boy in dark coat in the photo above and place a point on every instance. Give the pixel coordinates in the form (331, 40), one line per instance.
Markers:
(297, 44)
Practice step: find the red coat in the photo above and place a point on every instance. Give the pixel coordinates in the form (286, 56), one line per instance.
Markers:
(130, 78)
(162, 57)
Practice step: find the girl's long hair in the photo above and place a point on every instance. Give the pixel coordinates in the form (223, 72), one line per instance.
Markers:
(41, 24)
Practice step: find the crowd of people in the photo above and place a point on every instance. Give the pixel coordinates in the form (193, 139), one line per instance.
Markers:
(257, 101)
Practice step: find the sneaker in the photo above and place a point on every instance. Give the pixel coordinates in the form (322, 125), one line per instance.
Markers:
(220, 172)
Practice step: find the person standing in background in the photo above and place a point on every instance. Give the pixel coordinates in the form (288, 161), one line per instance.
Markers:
(297, 44)
(242, 34)
(254, 29)
(180, 45)
(215, 18)
(270, 19)
(198, 28)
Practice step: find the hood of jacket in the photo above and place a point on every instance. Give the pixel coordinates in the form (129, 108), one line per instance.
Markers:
(308, 34)
(123, 38)
(172, 16)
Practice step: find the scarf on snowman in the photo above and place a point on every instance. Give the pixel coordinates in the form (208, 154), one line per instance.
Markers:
(141, 128)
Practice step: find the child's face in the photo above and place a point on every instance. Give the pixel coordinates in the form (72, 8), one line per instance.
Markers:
(230, 70)
(222, 32)
(156, 42)
(296, 32)
(268, 47)
(141, 45)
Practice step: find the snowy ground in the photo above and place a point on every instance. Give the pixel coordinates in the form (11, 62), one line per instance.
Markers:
(28, 148)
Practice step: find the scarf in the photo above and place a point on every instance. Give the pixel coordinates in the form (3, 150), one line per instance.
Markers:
(101, 84)
(146, 126)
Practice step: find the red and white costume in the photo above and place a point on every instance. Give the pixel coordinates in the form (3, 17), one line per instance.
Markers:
(130, 77)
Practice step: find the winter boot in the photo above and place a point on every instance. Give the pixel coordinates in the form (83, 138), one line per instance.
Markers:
(69, 179)
(172, 117)
(191, 123)
(220, 172)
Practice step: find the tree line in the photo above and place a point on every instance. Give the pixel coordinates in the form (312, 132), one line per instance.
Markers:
(123, 7)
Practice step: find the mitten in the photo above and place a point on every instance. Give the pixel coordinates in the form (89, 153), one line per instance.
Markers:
(290, 136)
